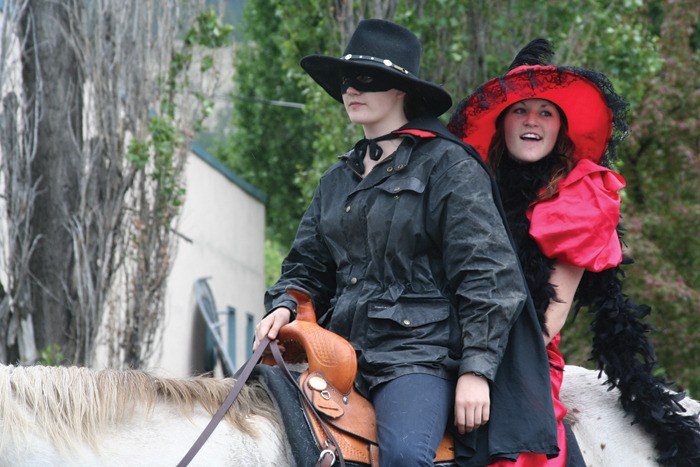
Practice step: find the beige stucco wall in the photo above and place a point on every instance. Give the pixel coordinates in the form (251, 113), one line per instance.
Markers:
(224, 226)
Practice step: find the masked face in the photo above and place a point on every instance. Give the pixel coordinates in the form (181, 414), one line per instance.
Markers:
(369, 82)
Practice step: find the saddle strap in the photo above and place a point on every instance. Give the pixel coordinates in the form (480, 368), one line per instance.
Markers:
(332, 451)
(242, 376)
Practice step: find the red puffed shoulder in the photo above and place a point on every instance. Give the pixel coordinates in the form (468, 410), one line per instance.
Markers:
(578, 225)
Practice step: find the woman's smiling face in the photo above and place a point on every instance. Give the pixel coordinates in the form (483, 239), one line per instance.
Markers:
(531, 128)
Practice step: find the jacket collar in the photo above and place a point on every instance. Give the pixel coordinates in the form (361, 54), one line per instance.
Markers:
(423, 127)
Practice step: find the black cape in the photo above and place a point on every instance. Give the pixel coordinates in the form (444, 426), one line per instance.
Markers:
(522, 411)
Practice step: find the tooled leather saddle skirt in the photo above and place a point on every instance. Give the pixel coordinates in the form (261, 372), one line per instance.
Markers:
(332, 403)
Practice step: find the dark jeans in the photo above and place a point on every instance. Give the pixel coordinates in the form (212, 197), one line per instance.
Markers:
(412, 414)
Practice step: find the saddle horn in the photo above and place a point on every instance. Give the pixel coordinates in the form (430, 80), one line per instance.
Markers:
(304, 340)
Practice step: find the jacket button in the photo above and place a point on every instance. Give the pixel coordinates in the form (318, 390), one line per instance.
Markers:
(397, 188)
(406, 322)
(399, 167)
(347, 208)
(353, 281)
(390, 169)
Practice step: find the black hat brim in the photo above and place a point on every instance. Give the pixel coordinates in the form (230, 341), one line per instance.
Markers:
(328, 72)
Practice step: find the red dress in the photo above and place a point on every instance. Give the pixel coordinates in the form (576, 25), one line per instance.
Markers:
(577, 226)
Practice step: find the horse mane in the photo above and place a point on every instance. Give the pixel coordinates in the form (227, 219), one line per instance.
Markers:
(69, 405)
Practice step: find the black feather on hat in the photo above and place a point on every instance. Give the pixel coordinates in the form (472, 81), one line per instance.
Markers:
(379, 46)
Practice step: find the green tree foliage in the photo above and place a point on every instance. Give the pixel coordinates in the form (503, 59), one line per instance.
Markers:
(649, 49)
(660, 161)
(662, 164)
(273, 145)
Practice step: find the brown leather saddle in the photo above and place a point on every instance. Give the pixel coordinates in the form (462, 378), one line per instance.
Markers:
(328, 385)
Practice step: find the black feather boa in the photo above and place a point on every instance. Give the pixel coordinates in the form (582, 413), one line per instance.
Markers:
(621, 347)
(518, 185)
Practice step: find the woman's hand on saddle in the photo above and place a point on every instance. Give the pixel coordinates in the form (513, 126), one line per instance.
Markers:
(270, 325)
(472, 402)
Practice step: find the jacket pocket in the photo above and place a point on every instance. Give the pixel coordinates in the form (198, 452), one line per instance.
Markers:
(398, 210)
(396, 185)
(410, 331)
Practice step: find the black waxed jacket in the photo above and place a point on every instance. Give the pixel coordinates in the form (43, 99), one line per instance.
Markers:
(411, 264)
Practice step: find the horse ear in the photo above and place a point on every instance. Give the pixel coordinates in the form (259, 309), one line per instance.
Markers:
(305, 307)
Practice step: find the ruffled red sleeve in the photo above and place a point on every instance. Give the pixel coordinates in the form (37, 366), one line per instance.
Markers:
(578, 225)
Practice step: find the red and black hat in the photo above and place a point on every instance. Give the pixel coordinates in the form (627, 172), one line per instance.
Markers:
(379, 46)
(587, 98)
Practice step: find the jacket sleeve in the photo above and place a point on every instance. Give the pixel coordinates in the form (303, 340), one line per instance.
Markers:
(308, 265)
(480, 265)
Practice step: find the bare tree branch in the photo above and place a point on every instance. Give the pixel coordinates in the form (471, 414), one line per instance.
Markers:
(88, 238)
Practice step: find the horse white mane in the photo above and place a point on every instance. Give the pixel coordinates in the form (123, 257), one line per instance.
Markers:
(81, 417)
(73, 405)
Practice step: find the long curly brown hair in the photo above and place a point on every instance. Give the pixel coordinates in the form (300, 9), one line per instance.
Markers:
(563, 152)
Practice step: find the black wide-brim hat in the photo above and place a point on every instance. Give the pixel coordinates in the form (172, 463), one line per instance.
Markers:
(379, 46)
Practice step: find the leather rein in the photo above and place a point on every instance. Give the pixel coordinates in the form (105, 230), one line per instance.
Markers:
(327, 457)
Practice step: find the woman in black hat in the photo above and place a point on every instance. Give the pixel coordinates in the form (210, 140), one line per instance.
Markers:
(405, 255)
(549, 134)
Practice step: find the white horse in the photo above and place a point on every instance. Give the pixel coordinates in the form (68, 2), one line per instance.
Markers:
(603, 431)
(57, 416)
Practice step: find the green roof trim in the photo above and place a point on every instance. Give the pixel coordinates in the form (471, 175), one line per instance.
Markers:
(228, 173)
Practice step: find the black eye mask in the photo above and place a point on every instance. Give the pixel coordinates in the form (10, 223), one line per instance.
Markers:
(369, 83)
